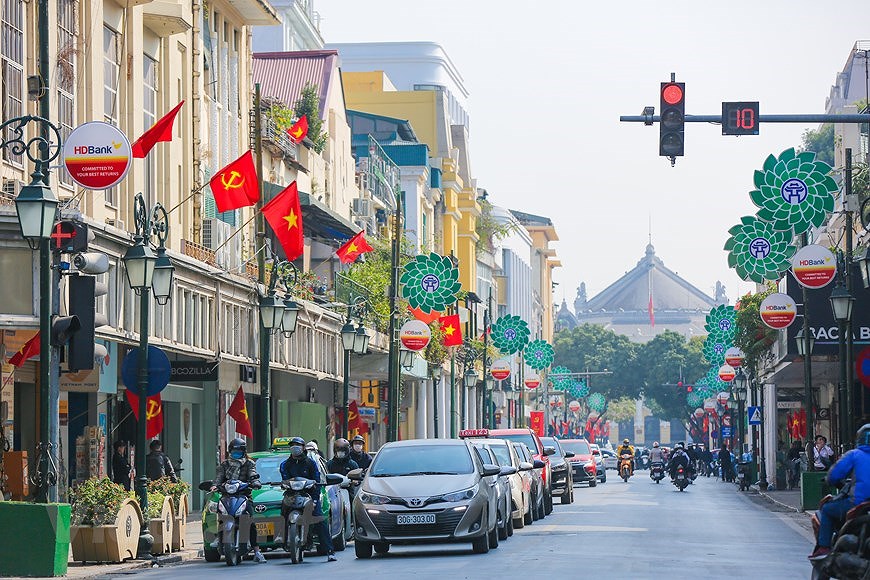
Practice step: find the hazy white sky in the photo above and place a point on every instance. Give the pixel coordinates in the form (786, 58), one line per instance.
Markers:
(549, 80)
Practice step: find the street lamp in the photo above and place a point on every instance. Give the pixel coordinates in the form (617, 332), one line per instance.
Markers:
(863, 261)
(271, 312)
(407, 358)
(348, 339)
(162, 276)
(139, 262)
(36, 206)
(488, 385)
(435, 371)
(289, 318)
(739, 392)
(361, 340)
(470, 378)
(841, 305)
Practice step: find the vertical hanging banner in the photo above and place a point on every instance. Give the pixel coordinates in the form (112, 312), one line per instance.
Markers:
(536, 422)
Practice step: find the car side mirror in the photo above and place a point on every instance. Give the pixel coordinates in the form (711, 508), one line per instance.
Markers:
(507, 470)
(205, 485)
(569, 454)
(356, 474)
(490, 469)
(596, 452)
(526, 466)
(549, 450)
(538, 464)
(334, 479)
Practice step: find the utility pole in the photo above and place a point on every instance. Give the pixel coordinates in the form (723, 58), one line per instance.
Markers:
(265, 336)
(486, 417)
(395, 371)
(850, 367)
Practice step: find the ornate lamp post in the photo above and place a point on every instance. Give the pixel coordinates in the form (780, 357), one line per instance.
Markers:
(804, 342)
(353, 339)
(841, 305)
(739, 393)
(435, 371)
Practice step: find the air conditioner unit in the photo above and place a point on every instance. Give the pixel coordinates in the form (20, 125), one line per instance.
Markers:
(215, 234)
(12, 187)
(115, 223)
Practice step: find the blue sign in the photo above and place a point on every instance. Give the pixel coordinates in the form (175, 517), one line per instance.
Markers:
(726, 432)
(754, 414)
(159, 370)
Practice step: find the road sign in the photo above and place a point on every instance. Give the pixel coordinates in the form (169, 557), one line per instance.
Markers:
(726, 432)
(159, 370)
(754, 414)
(862, 364)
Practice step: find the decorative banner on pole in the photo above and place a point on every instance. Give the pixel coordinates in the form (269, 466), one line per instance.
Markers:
(714, 350)
(699, 412)
(734, 357)
(723, 397)
(536, 422)
(709, 405)
(721, 321)
(560, 378)
(757, 251)
(415, 335)
(510, 334)
(97, 155)
(574, 406)
(726, 374)
(794, 191)
(501, 369)
(694, 399)
(814, 266)
(597, 402)
(539, 354)
(532, 381)
(778, 311)
(430, 282)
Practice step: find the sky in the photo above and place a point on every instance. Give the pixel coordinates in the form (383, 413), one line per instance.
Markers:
(548, 81)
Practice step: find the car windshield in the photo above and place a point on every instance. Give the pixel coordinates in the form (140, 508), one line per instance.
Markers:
(502, 454)
(269, 468)
(522, 438)
(577, 447)
(422, 460)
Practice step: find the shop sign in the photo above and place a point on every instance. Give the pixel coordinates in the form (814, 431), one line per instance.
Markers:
(97, 155)
(415, 335)
(778, 311)
(188, 371)
(814, 266)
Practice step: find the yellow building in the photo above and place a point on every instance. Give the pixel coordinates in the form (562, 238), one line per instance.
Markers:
(544, 261)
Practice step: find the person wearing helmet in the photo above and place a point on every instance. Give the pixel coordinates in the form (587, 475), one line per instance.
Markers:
(626, 448)
(239, 467)
(341, 461)
(301, 464)
(857, 463)
(679, 458)
(311, 446)
(357, 453)
(656, 455)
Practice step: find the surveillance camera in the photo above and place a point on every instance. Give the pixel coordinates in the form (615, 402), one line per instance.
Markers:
(91, 262)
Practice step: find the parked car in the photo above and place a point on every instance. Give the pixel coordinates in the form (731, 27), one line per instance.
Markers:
(267, 505)
(502, 488)
(520, 482)
(533, 442)
(583, 463)
(609, 456)
(600, 468)
(425, 491)
(537, 483)
(563, 480)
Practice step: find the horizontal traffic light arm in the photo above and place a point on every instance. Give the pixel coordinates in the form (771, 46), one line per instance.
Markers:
(857, 118)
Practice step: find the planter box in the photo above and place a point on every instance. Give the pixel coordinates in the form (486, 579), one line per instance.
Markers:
(112, 543)
(34, 539)
(179, 531)
(162, 528)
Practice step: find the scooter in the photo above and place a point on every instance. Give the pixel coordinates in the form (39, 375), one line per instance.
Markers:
(234, 540)
(681, 478)
(849, 558)
(297, 509)
(657, 471)
(625, 466)
(794, 473)
(743, 475)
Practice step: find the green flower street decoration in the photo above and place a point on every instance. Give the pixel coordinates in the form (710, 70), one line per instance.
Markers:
(581, 389)
(562, 383)
(597, 402)
(714, 383)
(539, 354)
(430, 282)
(757, 251)
(510, 334)
(714, 351)
(794, 191)
(722, 322)
(694, 399)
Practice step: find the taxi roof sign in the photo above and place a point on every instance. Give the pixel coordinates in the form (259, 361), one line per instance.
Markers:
(281, 442)
(473, 433)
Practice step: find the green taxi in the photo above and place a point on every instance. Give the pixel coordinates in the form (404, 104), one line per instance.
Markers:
(267, 504)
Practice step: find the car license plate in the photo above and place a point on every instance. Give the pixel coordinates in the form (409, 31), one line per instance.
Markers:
(265, 528)
(415, 519)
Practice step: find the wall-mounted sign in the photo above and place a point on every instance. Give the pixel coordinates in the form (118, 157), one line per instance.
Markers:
(778, 311)
(97, 155)
(189, 371)
(415, 335)
(814, 266)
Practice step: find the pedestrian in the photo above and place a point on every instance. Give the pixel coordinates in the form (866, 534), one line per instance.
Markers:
(122, 471)
(823, 455)
(157, 463)
(793, 463)
(725, 464)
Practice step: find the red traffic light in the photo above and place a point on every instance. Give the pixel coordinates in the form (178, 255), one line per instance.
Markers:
(679, 383)
(689, 389)
(672, 93)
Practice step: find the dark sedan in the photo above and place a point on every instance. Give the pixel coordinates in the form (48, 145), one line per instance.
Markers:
(563, 476)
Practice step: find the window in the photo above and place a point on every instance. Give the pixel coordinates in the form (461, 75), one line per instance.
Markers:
(111, 77)
(66, 72)
(12, 73)
(149, 105)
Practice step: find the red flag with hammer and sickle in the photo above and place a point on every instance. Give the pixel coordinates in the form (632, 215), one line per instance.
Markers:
(239, 411)
(236, 185)
(153, 412)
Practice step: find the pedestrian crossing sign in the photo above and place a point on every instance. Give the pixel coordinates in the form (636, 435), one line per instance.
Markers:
(754, 415)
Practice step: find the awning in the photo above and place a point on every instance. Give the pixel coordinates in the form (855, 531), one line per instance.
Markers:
(374, 367)
(321, 222)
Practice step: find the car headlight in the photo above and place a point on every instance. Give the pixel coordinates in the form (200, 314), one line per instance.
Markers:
(461, 495)
(372, 498)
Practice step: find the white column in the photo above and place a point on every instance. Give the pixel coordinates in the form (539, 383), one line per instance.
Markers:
(768, 438)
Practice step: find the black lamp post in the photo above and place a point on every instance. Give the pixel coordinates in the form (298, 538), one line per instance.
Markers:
(469, 380)
(143, 276)
(804, 342)
(841, 305)
(435, 371)
(353, 339)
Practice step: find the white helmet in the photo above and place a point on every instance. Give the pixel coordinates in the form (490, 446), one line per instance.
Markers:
(655, 443)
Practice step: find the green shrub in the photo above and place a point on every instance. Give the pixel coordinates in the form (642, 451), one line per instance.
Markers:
(95, 502)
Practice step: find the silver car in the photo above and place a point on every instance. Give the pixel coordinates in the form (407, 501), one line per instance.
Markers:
(425, 491)
(520, 482)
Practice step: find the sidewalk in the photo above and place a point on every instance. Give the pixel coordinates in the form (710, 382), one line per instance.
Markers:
(193, 549)
(790, 499)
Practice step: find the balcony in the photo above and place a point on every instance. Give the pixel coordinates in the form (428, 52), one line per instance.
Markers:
(278, 144)
(167, 17)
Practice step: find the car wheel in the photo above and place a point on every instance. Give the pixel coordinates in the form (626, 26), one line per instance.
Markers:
(510, 526)
(480, 545)
(528, 517)
(503, 529)
(604, 478)
(593, 482)
(339, 544)
(493, 537)
(382, 547)
(566, 497)
(212, 555)
(362, 549)
(548, 504)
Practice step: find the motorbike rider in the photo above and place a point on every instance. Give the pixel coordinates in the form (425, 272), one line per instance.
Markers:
(239, 467)
(357, 453)
(299, 464)
(857, 463)
(679, 458)
(626, 448)
(341, 461)
(707, 458)
(793, 462)
(656, 456)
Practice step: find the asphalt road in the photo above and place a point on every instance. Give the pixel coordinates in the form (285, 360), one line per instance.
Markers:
(616, 530)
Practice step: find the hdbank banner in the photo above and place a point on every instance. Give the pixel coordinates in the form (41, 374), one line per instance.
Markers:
(97, 155)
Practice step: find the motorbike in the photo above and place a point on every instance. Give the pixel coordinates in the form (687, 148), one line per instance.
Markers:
(643, 462)
(625, 466)
(743, 475)
(681, 478)
(297, 509)
(849, 558)
(233, 541)
(794, 473)
(657, 471)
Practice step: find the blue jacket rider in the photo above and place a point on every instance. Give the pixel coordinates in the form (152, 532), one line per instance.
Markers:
(857, 463)
(299, 464)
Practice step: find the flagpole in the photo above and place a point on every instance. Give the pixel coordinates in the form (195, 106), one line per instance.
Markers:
(192, 193)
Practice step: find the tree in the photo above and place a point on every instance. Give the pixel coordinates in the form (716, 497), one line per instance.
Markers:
(821, 142)
(309, 105)
(669, 359)
(753, 337)
(590, 346)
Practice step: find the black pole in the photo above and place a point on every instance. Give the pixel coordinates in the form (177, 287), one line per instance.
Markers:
(453, 395)
(853, 394)
(435, 381)
(346, 393)
(265, 431)
(395, 372)
(146, 541)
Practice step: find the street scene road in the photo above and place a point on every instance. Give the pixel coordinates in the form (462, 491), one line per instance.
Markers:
(617, 530)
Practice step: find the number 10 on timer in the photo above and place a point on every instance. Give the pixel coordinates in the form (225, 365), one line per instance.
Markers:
(740, 118)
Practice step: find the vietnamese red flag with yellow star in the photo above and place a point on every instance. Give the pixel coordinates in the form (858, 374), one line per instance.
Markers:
(153, 412)
(239, 411)
(236, 185)
(451, 330)
(354, 248)
(29, 350)
(285, 216)
(159, 131)
(299, 130)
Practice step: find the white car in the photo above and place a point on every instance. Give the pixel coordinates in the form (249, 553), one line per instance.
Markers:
(610, 460)
(520, 482)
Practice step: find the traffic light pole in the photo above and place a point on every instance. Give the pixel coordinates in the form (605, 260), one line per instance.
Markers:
(852, 118)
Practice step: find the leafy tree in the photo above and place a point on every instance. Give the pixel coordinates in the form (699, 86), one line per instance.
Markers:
(590, 346)
(668, 359)
(753, 337)
(489, 230)
(373, 273)
(309, 105)
(621, 409)
(821, 142)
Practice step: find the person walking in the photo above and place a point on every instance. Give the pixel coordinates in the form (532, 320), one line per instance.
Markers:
(725, 464)
(157, 463)
(122, 471)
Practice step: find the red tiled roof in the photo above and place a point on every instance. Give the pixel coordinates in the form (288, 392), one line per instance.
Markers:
(282, 75)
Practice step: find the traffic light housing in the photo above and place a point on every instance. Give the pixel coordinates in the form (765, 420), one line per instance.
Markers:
(83, 293)
(672, 120)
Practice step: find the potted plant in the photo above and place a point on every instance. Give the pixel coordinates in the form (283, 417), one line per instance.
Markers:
(178, 491)
(105, 522)
(161, 521)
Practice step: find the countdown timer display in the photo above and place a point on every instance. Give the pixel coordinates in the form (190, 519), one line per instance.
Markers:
(740, 118)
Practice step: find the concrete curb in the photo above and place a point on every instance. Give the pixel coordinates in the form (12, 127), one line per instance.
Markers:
(107, 569)
(779, 503)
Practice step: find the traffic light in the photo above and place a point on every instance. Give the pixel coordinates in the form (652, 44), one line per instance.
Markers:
(83, 293)
(672, 120)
